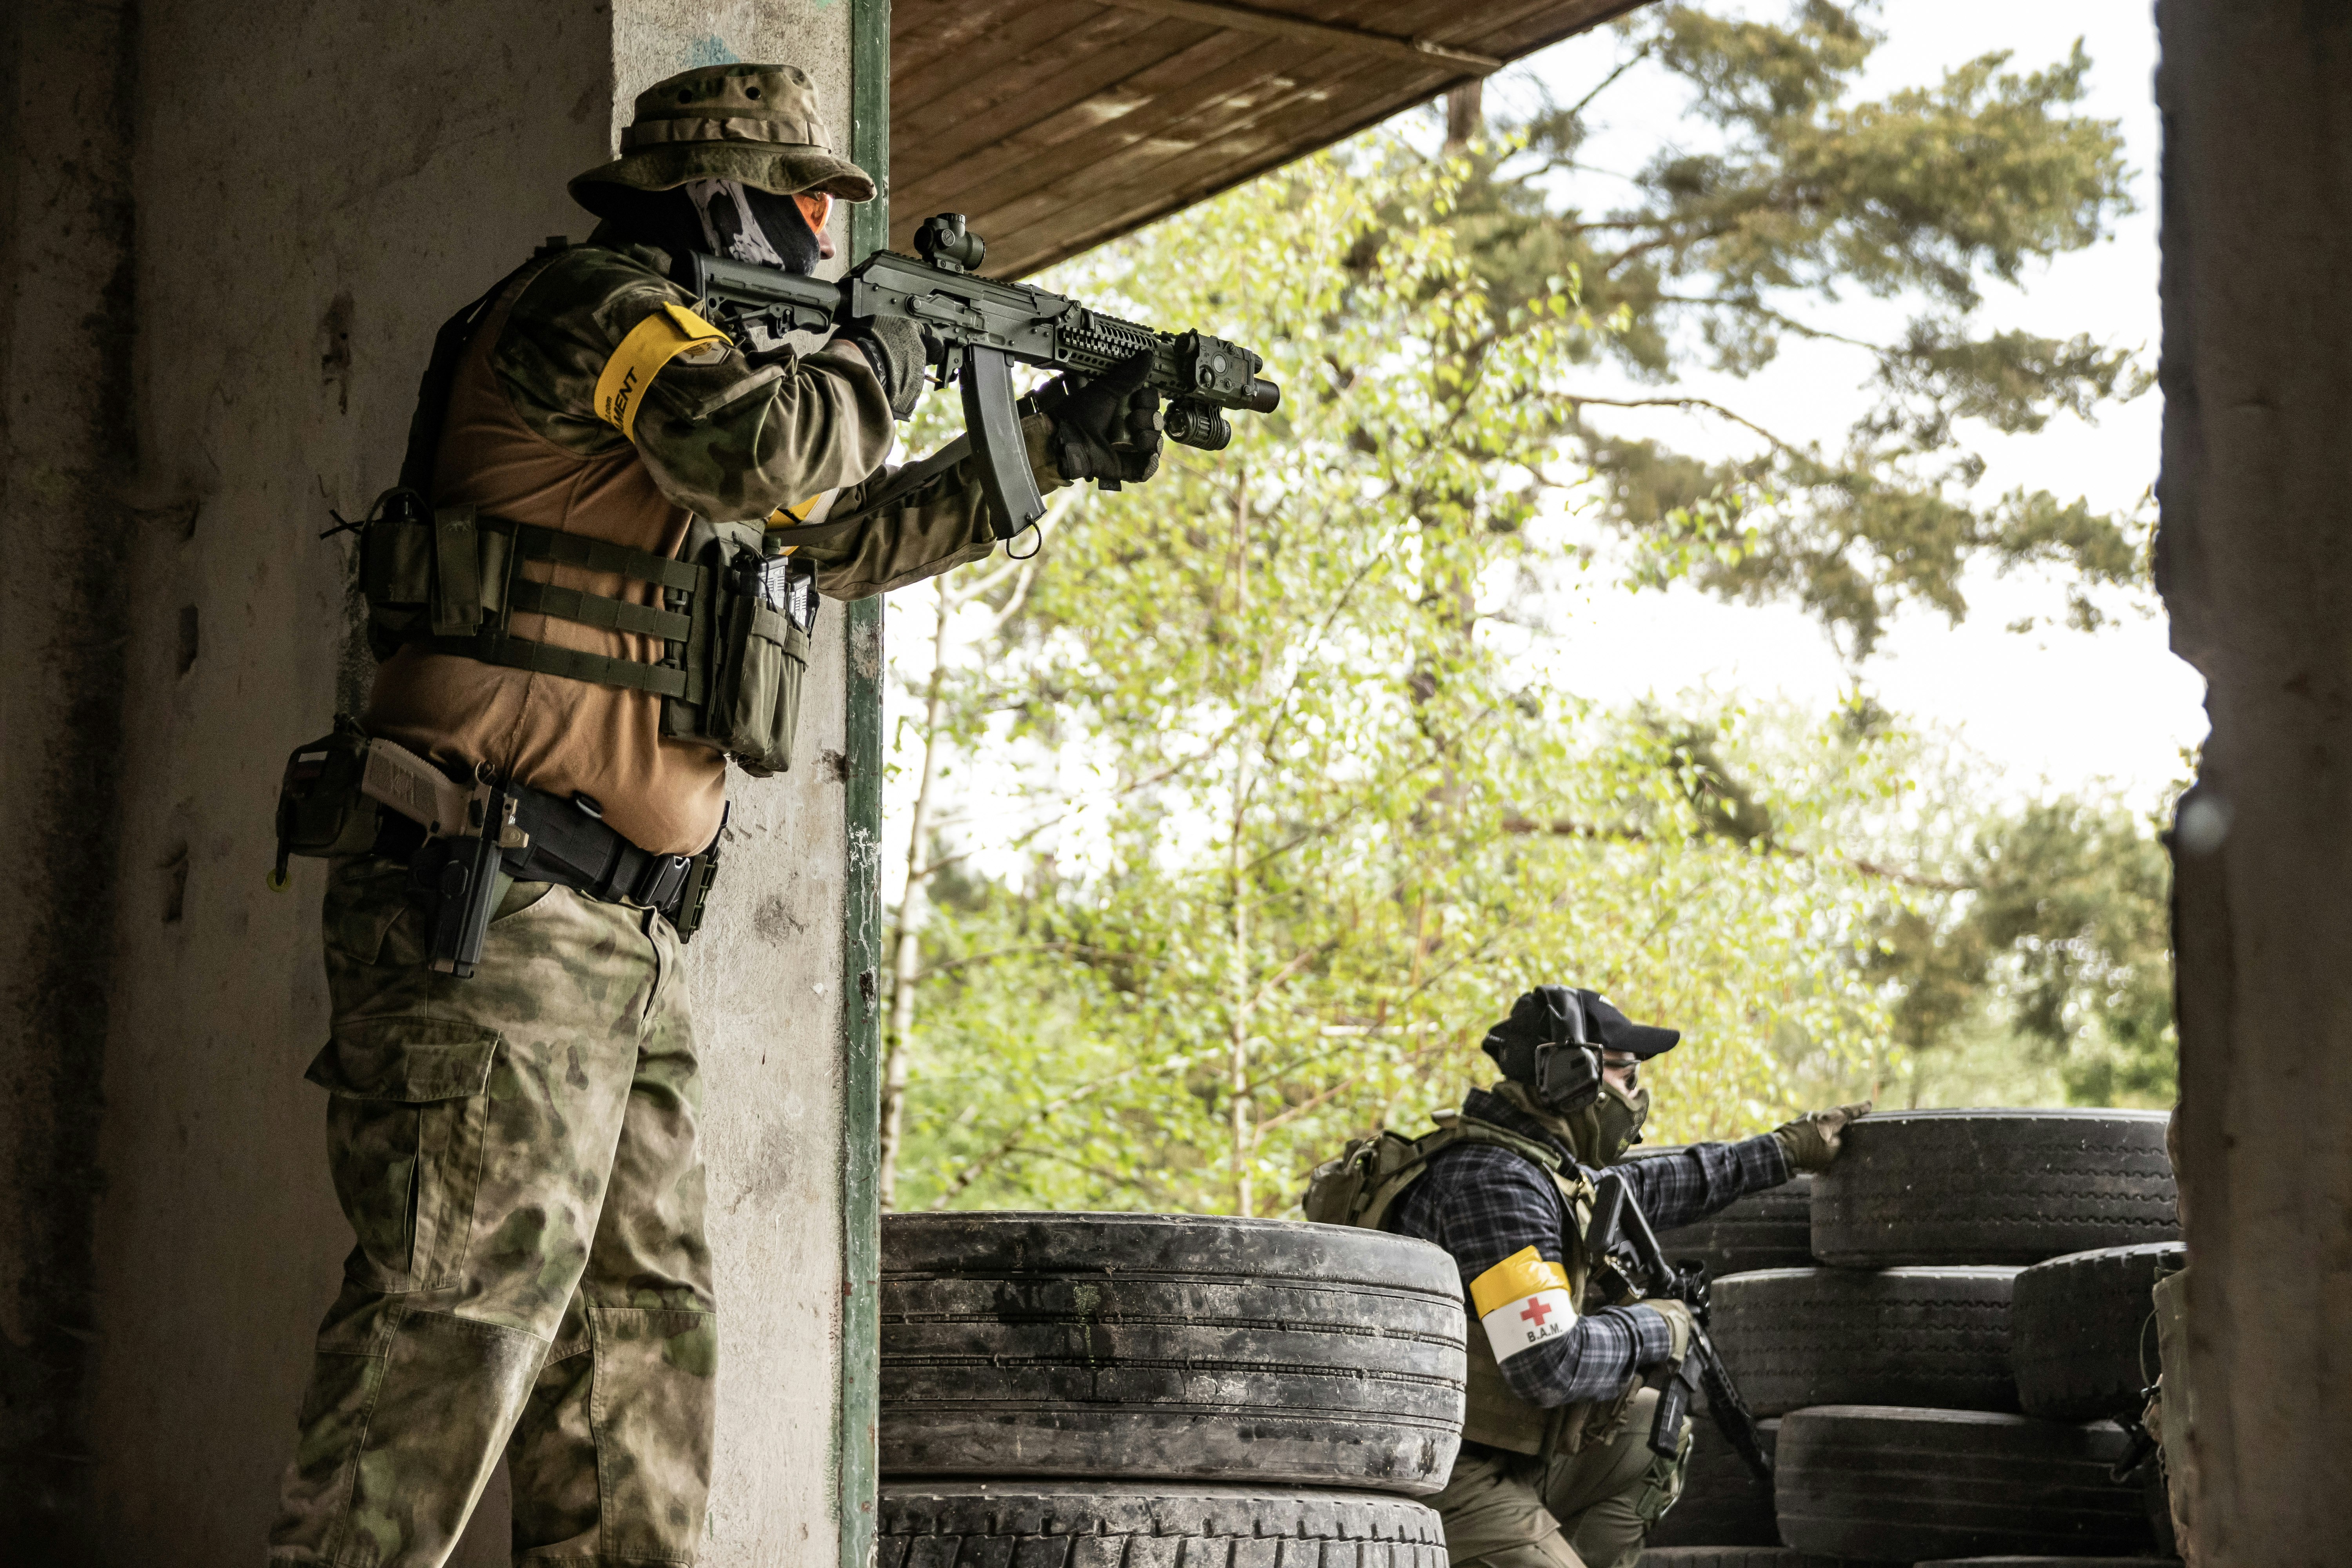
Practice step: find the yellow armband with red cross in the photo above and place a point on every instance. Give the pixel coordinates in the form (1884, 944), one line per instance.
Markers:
(652, 344)
(1523, 1300)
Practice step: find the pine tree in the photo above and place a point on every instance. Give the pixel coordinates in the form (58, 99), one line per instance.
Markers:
(1798, 200)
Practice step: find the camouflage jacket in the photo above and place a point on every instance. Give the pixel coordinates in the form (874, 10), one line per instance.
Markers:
(734, 437)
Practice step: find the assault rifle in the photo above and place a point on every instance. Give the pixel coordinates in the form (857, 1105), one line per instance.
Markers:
(985, 326)
(1621, 1236)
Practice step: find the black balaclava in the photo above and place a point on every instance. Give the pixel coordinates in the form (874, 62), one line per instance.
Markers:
(725, 218)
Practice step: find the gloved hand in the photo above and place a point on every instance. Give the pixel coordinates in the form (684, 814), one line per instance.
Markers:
(898, 350)
(1108, 429)
(1811, 1141)
(1678, 1322)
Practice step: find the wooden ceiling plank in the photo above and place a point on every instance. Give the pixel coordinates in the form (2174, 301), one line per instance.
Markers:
(1521, 33)
(1002, 59)
(1105, 85)
(1332, 35)
(1203, 73)
(1159, 186)
(1140, 153)
(1077, 233)
(1000, 191)
(922, 31)
(1153, 164)
(1053, 173)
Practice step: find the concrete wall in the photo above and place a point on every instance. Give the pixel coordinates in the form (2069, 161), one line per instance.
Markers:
(2255, 563)
(284, 199)
(66, 358)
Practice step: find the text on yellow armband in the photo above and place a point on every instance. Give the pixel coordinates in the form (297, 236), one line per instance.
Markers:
(651, 345)
(1520, 1275)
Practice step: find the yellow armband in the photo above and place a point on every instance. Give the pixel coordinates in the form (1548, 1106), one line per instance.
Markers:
(651, 345)
(1522, 1301)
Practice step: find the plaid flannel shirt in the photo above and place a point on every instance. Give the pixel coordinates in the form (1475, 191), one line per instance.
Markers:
(1483, 1203)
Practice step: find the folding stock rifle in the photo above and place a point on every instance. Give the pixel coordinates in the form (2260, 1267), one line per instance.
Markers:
(982, 326)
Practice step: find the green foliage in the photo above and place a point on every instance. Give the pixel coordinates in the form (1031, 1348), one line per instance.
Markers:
(2061, 949)
(1716, 256)
(1281, 821)
(1320, 831)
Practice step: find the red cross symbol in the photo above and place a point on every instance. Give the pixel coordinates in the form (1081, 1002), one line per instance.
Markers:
(1538, 1310)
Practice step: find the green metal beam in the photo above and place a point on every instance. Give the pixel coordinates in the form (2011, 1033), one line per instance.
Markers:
(861, 936)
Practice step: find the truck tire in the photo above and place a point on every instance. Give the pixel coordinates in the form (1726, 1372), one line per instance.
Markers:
(1993, 1186)
(1129, 1524)
(1931, 1337)
(1770, 1230)
(1916, 1485)
(1722, 1505)
(1169, 1346)
(2053, 1563)
(1751, 1557)
(2082, 1332)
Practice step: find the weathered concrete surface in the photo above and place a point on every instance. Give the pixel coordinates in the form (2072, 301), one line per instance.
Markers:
(766, 976)
(66, 304)
(2255, 563)
(315, 187)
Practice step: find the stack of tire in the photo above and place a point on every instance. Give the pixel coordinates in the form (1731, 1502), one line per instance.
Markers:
(1937, 1347)
(1163, 1390)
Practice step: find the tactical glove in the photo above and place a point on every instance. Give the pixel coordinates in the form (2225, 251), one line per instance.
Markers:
(897, 349)
(1108, 429)
(1811, 1141)
(1678, 1322)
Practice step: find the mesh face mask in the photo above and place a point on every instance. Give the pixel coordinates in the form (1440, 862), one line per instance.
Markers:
(1604, 1130)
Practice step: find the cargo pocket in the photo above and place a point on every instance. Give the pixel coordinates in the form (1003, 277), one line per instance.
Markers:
(406, 1120)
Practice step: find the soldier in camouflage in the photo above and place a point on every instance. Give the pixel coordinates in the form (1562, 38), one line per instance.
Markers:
(515, 1152)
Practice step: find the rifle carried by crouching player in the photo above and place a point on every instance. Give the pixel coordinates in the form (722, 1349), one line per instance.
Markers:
(1621, 1241)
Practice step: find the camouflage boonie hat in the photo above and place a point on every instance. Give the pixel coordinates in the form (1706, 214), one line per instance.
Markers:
(754, 123)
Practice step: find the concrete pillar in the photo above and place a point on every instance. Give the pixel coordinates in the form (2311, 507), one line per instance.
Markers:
(230, 232)
(2255, 563)
(67, 305)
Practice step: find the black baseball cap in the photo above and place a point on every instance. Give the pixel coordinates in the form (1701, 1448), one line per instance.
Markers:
(1553, 1014)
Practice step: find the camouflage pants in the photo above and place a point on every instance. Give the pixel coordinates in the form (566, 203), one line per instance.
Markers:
(1591, 1508)
(517, 1156)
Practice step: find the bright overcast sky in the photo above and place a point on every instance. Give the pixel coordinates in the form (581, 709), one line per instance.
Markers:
(2051, 707)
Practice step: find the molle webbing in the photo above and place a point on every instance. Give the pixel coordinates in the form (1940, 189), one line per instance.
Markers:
(478, 590)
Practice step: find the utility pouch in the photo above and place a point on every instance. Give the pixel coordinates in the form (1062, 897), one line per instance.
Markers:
(429, 574)
(756, 654)
(320, 808)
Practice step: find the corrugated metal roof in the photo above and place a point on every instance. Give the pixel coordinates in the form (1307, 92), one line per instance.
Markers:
(1054, 125)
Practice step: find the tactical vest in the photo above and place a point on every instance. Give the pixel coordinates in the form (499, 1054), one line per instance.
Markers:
(1362, 1187)
(733, 621)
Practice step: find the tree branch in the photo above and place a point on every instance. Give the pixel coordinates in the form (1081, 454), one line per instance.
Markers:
(1610, 81)
(1708, 404)
(1565, 827)
(1758, 308)
(948, 965)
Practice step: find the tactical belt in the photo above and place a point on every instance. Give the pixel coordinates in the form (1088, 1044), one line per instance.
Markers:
(570, 847)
